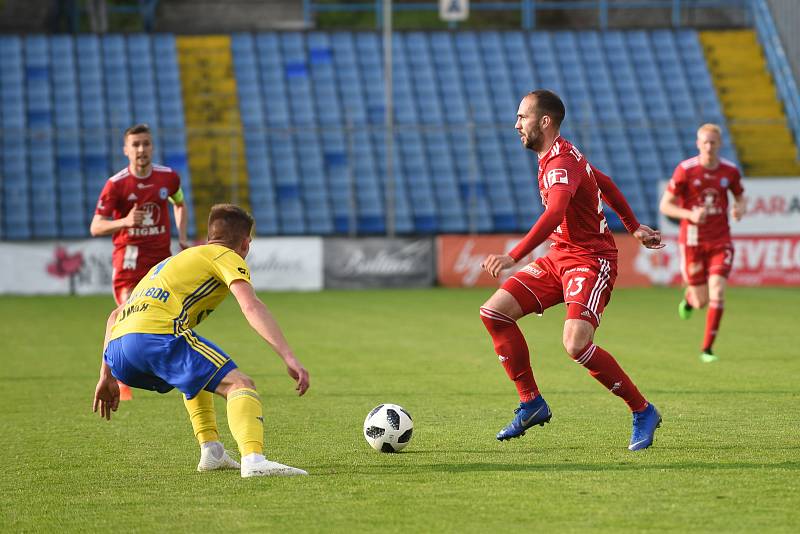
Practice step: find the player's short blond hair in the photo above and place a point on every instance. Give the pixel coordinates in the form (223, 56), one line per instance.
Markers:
(710, 127)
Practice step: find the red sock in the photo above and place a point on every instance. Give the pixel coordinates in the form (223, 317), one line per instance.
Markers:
(510, 346)
(605, 369)
(713, 317)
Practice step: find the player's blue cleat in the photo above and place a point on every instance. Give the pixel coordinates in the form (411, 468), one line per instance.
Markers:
(644, 428)
(535, 412)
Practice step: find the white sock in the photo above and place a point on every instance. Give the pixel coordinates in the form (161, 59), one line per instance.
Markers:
(253, 458)
(215, 448)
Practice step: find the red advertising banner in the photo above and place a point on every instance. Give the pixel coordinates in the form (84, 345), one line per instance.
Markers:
(758, 260)
(459, 257)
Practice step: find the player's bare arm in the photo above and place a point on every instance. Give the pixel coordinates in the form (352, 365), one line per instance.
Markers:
(262, 321)
(181, 222)
(557, 203)
(106, 393)
(669, 207)
(739, 208)
(106, 226)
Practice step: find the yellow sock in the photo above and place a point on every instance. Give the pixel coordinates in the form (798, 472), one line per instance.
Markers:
(245, 418)
(203, 417)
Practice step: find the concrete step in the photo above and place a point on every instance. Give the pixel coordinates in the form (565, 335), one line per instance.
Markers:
(207, 16)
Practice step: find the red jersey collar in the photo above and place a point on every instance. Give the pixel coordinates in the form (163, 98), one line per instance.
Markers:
(149, 174)
(549, 152)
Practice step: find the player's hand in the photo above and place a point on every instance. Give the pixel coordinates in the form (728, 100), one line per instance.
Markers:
(106, 397)
(737, 211)
(135, 216)
(698, 215)
(494, 263)
(299, 374)
(648, 237)
(184, 244)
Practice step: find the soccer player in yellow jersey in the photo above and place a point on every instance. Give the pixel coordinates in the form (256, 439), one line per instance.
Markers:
(150, 344)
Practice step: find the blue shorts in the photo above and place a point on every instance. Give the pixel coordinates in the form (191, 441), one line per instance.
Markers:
(160, 362)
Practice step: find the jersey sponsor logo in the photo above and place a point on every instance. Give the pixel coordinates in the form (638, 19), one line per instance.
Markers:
(578, 269)
(555, 176)
(152, 214)
(140, 185)
(147, 231)
(533, 270)
(150, 222)
(163, 193)
(130, 310)
(710, 198)
(243, 271)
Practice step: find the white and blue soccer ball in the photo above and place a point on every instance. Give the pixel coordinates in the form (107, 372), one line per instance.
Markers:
(388, 428)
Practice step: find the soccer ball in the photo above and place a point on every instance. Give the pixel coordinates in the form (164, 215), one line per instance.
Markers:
(388, 428)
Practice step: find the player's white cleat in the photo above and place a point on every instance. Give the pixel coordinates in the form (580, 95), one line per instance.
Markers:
(213, 456)
(255, 465)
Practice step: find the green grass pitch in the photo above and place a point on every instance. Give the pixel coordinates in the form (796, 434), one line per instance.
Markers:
(726, 459)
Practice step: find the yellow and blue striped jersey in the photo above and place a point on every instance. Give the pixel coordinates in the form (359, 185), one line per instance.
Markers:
(180, 291)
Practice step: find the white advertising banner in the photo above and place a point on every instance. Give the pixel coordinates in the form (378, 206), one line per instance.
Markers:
(286, 263)
(773, 208)
(56, 268)
(84, 267)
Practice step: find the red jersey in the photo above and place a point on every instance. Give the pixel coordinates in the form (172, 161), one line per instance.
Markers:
(584, 229)
(151, 193)
(696, 186)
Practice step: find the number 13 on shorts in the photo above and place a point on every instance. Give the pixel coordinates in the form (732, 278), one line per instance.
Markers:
(575, 286)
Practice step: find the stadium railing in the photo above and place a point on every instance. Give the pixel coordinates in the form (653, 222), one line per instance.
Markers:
(528, 9)
(778, 64)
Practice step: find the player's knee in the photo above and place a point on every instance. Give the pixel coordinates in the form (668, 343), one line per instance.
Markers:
(494, 320)
(574, 344)
(242, 381)
(247, 382)
(716, 292)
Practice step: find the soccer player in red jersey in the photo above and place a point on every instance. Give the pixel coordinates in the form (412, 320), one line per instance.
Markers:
(133, 207)
(579, 270)
(697, 194)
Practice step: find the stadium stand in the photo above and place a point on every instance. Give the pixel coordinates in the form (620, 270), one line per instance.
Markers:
(311, 107)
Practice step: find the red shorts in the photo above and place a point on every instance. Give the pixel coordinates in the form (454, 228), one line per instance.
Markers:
(698, 262)
(130, 265)
(564, 277)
